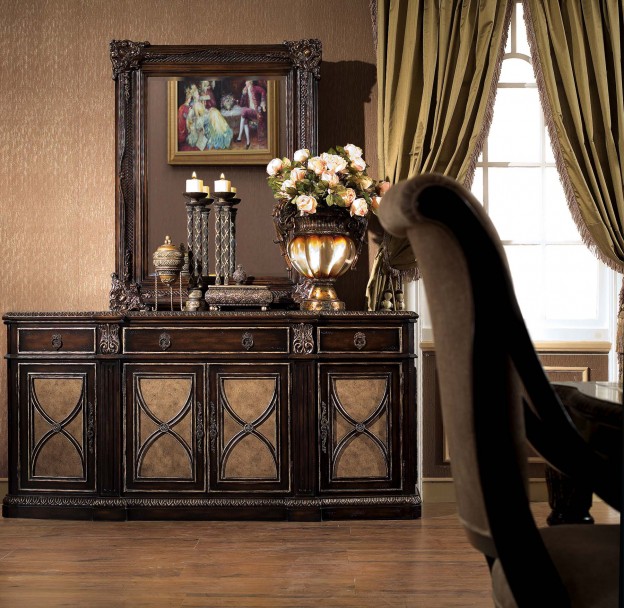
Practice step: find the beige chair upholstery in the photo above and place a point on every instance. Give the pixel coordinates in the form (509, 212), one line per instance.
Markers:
(494, 394)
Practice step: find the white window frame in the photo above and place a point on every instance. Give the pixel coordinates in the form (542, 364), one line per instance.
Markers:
(574, 330)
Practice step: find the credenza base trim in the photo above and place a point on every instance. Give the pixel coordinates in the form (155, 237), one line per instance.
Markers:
(259, 509)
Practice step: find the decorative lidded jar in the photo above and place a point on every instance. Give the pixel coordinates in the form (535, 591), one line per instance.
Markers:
(168, 261)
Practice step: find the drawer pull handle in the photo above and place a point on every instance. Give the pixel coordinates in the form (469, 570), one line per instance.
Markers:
(247, 341)
(164, 341)
(57, 341)
(359, 340)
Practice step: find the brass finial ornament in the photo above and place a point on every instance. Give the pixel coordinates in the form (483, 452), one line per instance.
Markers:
(168, 261)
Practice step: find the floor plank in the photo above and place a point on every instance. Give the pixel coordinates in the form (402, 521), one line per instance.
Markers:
(425, 562)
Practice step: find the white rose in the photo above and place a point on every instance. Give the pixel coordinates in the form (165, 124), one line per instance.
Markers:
(353, 151)
(359, 207)
(334, 163)
(316, 164)
(359, 164)
(297, 174)
(301, 155)
(275, 166)
(287, 183)
(331, 179)
(348, 196)
(306, 204)
(286, 162)
(375, 201)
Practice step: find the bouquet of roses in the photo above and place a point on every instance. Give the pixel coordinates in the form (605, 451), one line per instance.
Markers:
(335, 179)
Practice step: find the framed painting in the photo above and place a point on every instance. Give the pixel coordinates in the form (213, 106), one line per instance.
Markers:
(222, 120)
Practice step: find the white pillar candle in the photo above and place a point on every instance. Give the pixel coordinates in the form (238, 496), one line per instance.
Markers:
(207, 191)
(232, 190)
(222, 185)
(194, 184)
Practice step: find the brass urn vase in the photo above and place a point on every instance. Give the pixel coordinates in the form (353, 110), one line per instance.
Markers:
(168, 262)
(324, 246)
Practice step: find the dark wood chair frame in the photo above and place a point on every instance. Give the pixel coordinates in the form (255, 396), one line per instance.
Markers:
(500, 338)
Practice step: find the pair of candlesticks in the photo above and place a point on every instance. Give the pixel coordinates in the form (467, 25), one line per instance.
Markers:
(172, 262)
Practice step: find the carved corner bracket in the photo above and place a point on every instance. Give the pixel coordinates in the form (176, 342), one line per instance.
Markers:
(125, 296)
(126, 56)
(306, 55)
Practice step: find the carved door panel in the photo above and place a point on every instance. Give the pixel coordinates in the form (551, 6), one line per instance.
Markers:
(248, 427)
(57, 412)
(164, 422)
(359, 414)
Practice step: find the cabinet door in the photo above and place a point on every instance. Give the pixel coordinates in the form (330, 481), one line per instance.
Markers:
(57, 417)
(164, 427)
(248, 427)
(359, 434)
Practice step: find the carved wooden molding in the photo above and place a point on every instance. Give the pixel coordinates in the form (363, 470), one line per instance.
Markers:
(69, 501)
(324, 427)
(303, 339)
(199, 428)
(90, 427)
(109, 339)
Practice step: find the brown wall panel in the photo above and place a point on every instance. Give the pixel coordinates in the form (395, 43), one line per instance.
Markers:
(559, 366)
(57, 140)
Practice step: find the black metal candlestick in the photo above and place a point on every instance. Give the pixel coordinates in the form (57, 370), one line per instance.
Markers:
(225, 236)
(197, 212)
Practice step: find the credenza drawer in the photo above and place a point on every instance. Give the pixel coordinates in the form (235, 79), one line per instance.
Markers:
(206, 340)
(61, 340)
(362, 339)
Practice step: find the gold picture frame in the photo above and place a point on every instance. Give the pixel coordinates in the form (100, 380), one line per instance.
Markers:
(207, 116)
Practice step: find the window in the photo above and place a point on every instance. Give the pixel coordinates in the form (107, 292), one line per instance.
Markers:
(564, 292)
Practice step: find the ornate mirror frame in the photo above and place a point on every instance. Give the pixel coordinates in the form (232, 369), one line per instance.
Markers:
(298, 62)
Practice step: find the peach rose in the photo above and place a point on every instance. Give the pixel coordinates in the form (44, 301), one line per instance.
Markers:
(359, 164)
(375, 201)
(331, 179)
(306, 204)
(383, 187)
(316, 164)
(275, 166)
(297, 174)
(301, 155)
(348, 196)
(359, 207)
(353, 151)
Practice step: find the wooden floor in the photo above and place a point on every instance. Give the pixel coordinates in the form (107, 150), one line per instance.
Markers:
(425, 562)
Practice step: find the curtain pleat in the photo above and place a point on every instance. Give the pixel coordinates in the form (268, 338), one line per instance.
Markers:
(437, 69)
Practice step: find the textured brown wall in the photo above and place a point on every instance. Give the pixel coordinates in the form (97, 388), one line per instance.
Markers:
(57, 125)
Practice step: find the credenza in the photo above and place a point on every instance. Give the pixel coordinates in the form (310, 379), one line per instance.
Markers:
(281, 415)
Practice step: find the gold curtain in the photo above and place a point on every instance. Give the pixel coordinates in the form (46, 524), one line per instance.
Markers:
(437, 69)
(577, 55)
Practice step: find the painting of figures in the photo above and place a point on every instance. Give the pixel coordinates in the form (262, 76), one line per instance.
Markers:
(225, 120)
